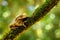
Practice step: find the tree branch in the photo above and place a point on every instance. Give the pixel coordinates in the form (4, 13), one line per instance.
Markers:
(39, 13)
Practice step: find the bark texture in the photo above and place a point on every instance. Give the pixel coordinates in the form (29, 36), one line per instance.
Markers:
(39, 13)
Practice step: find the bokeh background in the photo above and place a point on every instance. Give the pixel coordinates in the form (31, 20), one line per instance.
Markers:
(47, 28)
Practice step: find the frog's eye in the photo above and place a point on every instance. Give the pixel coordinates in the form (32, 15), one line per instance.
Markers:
(25, 19)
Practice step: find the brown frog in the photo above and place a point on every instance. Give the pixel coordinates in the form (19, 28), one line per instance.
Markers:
(19, 21)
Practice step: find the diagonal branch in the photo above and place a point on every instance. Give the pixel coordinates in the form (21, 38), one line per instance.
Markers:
(39, 13)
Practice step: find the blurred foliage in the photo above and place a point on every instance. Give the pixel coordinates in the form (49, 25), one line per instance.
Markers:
(47, 28)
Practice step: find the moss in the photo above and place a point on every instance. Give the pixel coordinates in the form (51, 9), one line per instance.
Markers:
(39, 13)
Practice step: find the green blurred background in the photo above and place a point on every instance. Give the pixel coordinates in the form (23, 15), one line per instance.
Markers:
(47, 28)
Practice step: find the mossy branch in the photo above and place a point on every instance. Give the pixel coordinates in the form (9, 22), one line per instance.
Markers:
(39, 13)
